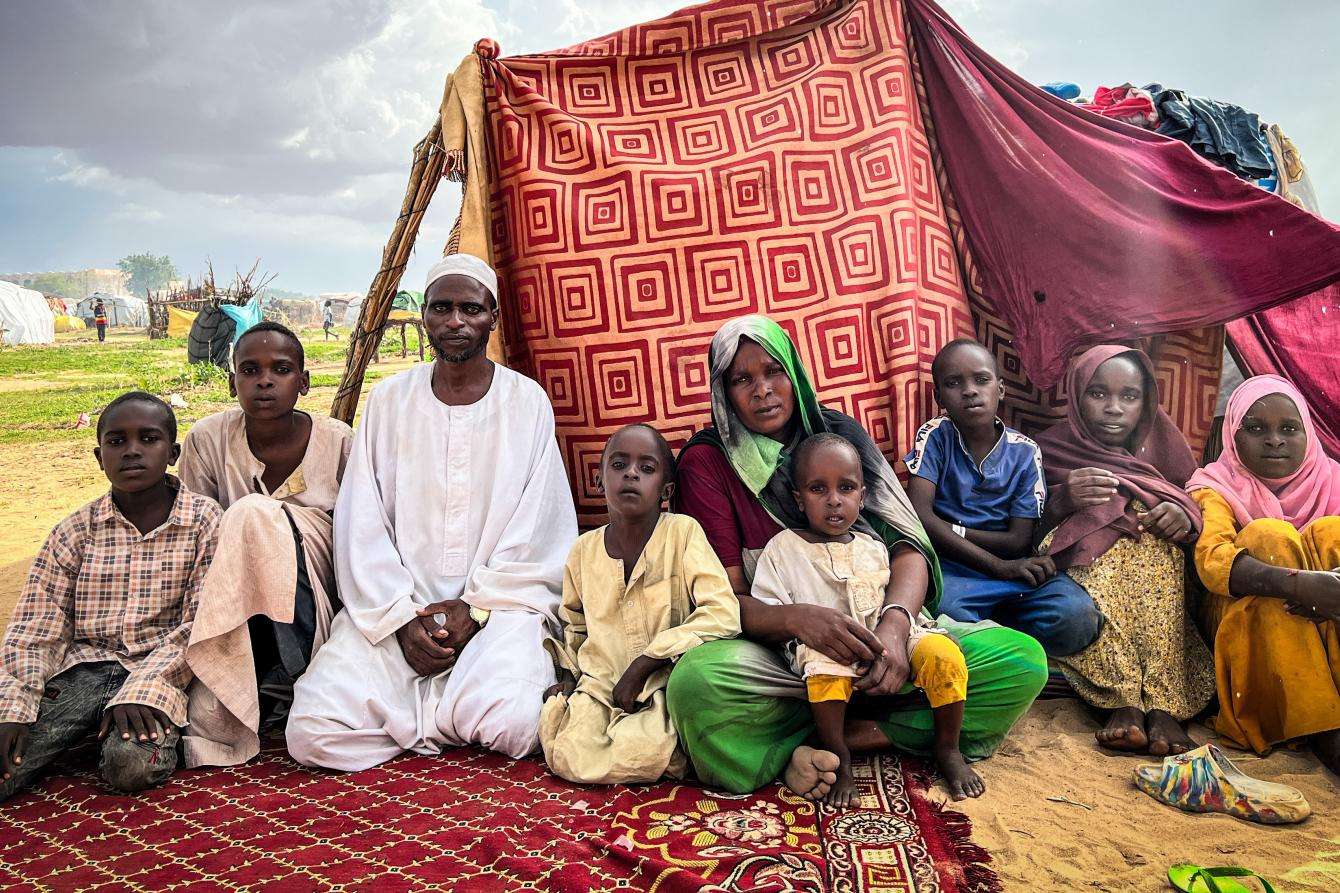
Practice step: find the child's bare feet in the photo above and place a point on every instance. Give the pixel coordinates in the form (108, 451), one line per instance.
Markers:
(1125, 730)
(811, 773)
(1166, 734)
(843, 792)
(960, 778)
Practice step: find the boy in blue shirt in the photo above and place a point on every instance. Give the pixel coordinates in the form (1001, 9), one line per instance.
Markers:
(979, 489)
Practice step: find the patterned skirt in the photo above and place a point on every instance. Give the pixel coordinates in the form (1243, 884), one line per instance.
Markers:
(1149, 654)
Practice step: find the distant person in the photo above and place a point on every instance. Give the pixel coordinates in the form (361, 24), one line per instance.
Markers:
(97, 640)
(100, 318)
(978, 487)
(327, 321)
(605, 721)
(268, 600)
(453, 525)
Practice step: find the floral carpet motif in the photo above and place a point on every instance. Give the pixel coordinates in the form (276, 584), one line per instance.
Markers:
(475, 821)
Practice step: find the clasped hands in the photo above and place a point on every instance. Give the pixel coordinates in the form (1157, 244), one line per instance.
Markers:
(431, 648)
(626, 690)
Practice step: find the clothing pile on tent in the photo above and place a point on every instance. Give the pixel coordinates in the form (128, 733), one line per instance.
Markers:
(25, 317)
(122, 310)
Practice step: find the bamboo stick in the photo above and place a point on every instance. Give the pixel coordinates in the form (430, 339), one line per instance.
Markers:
(425, 174)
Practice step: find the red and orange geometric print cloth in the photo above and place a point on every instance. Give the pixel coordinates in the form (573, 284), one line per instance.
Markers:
(743, 156)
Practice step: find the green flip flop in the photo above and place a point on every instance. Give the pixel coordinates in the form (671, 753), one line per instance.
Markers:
(1194, 879)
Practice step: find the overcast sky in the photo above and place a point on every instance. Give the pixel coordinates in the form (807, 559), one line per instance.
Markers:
(248, 129)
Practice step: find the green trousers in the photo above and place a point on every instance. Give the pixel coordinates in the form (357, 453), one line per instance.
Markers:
(740, 711)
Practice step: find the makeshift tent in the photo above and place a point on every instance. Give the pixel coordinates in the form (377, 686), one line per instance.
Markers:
(25, 317)
(244, 316)
(405, 305)
(859, 171)
(122, 310)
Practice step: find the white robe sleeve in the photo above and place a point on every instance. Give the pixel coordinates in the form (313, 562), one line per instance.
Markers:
(375, 586)
(525, 570)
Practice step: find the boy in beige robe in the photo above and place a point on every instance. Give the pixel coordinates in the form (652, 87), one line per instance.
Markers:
(267, 602)
(637, 594)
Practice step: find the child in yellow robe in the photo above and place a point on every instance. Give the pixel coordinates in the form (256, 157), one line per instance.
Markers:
(637, 593)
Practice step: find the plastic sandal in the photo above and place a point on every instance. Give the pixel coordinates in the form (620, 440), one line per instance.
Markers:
(1194, 879)
(1205, 780)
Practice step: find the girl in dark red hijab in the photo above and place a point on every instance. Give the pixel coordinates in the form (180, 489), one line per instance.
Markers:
(1119, 518)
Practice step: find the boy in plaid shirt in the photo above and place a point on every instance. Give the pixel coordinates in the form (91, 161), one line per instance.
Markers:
(97, 639)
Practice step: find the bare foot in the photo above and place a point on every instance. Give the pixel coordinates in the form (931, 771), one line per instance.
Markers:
(960, 778)
(1326, 746)
(1166, 735)
(843, 792)
(1125, 730)
(811, 773)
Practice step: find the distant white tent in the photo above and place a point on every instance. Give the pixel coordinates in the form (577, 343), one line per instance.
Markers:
(25, 316)
(122, 310)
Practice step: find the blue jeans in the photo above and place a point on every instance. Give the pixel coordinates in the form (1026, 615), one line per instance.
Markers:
(1060, 613)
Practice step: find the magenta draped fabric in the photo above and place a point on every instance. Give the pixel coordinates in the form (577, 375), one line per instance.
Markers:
(1299, 341)
(1087, 230)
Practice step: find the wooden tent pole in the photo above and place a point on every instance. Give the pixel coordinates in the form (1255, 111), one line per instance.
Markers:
(424, 176)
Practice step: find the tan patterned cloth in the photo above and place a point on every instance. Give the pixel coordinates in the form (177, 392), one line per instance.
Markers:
(256, 572)
(99, 590)
(1149, 654)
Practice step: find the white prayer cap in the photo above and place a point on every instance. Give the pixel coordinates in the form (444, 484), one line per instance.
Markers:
(464, 265)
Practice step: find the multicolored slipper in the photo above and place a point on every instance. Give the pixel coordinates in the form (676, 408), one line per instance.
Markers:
(1205, 780)
(1194, 879)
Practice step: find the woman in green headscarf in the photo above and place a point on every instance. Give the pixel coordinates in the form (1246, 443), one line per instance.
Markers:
(740, 711)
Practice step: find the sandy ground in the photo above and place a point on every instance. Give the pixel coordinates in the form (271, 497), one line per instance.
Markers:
(1125, 840)
(1122, 841)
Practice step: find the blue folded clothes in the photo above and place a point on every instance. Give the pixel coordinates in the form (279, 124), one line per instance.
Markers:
(1063, 89)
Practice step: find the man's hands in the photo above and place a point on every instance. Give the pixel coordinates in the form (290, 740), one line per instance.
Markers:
(13, 741)
(431, 648)
(834, 634)
(1088, 487)
(138, 721)
(630, 684)
(1034, 571)
(1167, 521)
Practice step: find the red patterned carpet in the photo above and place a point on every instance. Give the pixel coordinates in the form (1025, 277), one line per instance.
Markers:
(474, 821)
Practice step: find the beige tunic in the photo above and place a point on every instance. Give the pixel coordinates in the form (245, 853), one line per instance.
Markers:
(255, 572)
(677, 597)
(848, 577)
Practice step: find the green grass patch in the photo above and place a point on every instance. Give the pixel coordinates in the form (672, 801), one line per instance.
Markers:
(43, 389)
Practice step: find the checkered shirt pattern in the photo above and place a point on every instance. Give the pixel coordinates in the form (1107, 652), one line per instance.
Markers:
(100, 590)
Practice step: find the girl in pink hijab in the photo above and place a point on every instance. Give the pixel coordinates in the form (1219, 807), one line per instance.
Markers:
(1268, 553)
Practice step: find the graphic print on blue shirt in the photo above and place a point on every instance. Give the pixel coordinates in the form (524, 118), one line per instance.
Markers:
(1008, 484)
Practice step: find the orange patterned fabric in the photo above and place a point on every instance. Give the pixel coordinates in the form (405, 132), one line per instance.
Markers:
(743, 156)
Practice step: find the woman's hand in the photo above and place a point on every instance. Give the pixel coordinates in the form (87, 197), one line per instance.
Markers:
(833, 634)
(1089, 487)
(1316, 595)
(890, 672)
(1167, 521)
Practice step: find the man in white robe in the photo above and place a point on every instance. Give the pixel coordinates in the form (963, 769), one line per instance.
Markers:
(451, 531)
